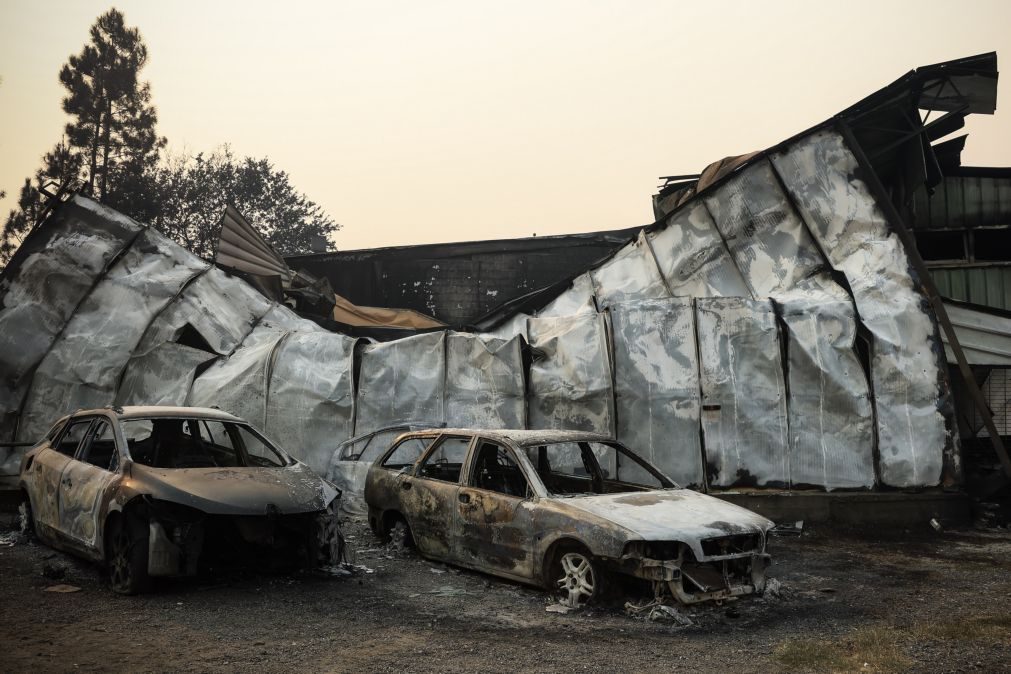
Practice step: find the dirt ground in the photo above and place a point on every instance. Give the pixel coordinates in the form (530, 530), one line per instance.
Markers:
(929, 603)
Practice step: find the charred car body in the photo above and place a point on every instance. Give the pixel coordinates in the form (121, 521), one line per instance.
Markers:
(562, 510)
(165, 491)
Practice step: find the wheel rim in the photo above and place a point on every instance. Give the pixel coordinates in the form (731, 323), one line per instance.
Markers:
(119, 570)
(576, 583)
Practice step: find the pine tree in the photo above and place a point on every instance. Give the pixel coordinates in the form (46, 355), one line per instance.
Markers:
(113, 121)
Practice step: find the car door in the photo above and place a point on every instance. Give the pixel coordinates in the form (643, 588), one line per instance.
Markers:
(86, 478)
(47, 471)
(428, 496)
(494, 510)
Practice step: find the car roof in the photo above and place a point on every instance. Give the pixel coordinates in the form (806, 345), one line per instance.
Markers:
(526, 437)
(145, 411)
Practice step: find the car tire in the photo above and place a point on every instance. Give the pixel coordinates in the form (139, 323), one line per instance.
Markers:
(328, 541)
(576, 577)
(400, 536)
(26, 518)
(127, 545)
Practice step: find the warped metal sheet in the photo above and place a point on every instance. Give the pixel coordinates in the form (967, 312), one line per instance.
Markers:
(221, 308)
(517, 325)
(484, 382)
(402, 381)
(238, 384)
(765, 237)
(631, 274)
(831, 420)
(578, 299)
(161, 376)
(907, 364)
(656, 386)
(310, 397)
(569, 384)
(744, 422)
(693, 258)
(83, 368)
(985, 336)
(59, 265)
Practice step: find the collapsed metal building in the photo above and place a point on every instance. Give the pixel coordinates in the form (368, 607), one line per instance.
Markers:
(774, 329)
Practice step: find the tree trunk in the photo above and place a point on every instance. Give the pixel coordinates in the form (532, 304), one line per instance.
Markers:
(94, 150)
(106, 148)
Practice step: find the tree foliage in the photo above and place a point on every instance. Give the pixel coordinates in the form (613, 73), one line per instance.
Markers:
(111, 152)
(192, 192)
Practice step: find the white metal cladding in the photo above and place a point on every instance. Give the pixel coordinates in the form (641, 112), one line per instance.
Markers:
(831, 420)
(907, 364)
(310, 398)
(83, 367)
(744, 420)
(569, 384)
(484, 382)
(403, 380)
(656, 386)
(42, 295)
(693, 258)
(238, 384)
(631, 274)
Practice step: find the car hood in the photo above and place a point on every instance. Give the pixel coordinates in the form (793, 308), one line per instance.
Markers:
(677, 514)
(238, 491)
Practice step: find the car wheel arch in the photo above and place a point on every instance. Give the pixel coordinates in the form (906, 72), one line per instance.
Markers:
(556, 548)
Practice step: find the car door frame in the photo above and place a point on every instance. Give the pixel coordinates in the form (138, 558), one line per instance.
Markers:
(494, 531)
(433, 535)
(84, 487)
(47, 476)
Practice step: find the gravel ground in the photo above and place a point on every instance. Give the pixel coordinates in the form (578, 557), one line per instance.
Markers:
(846, 602)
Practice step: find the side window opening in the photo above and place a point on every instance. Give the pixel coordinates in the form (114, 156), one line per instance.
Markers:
(71, 438)
(446, 461)
(407, 453)
(496, 470)
(100, 448)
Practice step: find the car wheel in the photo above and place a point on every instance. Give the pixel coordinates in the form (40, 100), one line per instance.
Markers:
(329, 544)
(127, 555)
(26, 518)
(577, 578)
(400, 536)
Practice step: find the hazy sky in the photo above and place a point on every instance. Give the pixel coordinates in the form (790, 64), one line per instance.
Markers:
(416, 122)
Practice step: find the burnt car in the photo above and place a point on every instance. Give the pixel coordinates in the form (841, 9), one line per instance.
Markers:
(564, 510)
(350, 462)
(166, 491)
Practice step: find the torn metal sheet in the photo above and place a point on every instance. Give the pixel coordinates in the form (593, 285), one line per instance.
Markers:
(484, 382)
(657, 385)
(220, 308)
(52, 273)
(310, 397)
(744, 422)
(907, 363)
(83, 367)
(161, 376)
(401, 381)
(693, 258)
(569, 384)
(239, 384)
(631, 274)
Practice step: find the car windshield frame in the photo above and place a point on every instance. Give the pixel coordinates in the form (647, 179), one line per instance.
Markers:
(585, 450)
(286, 459)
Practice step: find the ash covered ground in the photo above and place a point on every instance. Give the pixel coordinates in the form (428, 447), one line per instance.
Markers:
(929, 602)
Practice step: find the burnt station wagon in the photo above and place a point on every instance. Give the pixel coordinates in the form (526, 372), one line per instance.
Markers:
(562, 510)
